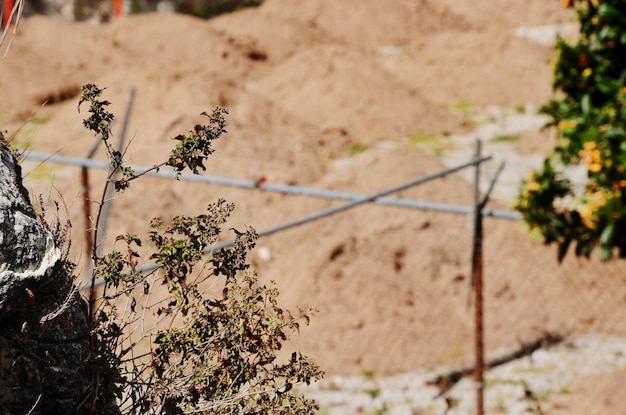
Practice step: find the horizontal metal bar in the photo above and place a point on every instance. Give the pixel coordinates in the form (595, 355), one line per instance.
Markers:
(276, 187)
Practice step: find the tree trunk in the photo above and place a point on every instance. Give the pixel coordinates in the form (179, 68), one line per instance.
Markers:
(44, 330)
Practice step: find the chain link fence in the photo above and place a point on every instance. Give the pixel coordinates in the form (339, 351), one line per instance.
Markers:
(554, 333)
(554, 337)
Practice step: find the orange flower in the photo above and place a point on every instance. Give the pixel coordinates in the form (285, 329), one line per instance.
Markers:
(566, 3)
(591, 157)
(565, 124)
(533, 186)
(590, 208)
(586, 215)
(595, 167)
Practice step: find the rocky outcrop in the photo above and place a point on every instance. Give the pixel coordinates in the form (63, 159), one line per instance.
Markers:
(44, 329)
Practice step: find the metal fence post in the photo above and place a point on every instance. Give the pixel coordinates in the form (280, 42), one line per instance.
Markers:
(477, 285)
(84, 183)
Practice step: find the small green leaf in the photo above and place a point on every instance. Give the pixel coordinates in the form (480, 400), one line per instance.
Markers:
(585, 104)
(607, 234)
(161, 338)
(608, 12)
(605, 253)
(615, 133)
(563, 247)
(583, 248)
(604, 85)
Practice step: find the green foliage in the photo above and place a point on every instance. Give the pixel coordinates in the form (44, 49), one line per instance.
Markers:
(182, 244)
(198, 8)
(589, 114)
(100, 119)
(506, 138)
(190, 152)
(223, 358)
(430, 142)
(210, 8)
(356, 149)
(194, 148)
(215, 345)
(463, 107)
(367, 374)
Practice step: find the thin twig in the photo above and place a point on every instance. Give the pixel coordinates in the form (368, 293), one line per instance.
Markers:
(63, 307)
(34, 405)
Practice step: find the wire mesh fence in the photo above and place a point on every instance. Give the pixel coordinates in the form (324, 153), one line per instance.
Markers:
(580, 303)
(555, 341)
(554, 337)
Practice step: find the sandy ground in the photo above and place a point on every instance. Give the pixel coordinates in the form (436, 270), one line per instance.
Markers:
(355, 96)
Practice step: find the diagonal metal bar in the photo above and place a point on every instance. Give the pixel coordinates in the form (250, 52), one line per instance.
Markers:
(492, 184)
(372, 197)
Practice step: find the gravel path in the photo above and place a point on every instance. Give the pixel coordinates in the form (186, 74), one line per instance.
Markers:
(534, 384)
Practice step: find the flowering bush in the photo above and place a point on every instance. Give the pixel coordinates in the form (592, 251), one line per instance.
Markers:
(589, 113)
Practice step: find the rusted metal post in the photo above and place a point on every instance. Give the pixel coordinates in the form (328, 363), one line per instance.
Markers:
(84, 193)
(477, 283)
(6, 12)
(84, 184)
(89, 226)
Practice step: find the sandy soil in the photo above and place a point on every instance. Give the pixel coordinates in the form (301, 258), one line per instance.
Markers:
(307, 84)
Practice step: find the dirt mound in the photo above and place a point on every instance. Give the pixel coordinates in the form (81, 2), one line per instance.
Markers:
(370, 23)
(309, 85)
(331, 86)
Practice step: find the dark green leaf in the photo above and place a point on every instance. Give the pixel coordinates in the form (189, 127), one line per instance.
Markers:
(562, 250)
(615, 133)
(605, 252)
(607, 234)
(161, 338)
(608, 12)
